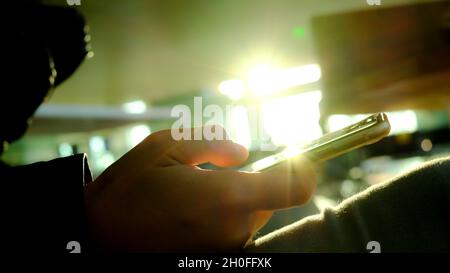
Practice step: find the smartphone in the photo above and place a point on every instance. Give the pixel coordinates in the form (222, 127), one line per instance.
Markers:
(364, 132)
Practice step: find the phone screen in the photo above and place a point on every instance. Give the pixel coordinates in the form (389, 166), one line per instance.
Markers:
(364, 132)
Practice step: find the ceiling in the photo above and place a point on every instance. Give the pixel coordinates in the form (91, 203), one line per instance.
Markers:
(155, 50)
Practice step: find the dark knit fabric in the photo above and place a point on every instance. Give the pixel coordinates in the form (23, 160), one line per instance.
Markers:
(42, 206)
(408, 214)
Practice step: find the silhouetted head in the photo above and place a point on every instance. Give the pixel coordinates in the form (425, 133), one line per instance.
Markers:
(41, 46)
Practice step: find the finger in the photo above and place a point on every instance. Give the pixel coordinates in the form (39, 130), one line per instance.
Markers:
(223, 153)
(287, 185)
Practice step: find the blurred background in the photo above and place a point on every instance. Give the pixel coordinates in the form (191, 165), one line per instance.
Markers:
(288, 70)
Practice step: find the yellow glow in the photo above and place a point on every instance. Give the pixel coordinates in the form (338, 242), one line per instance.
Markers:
(293, 120)
(337, 122)
(259, 80)
(426, 145)
(234, 89)
(401, 121)
(97, 144)
(105, 160)
(240, 126)
(137, 134)
(134, 107)
(65, 149)
(292, 151)
(323, 202)
(263, 80)
(269, 161)
(263, 163)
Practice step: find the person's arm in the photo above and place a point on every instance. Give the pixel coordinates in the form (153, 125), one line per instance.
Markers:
(42, 205)
(156, 199)
(407, 214)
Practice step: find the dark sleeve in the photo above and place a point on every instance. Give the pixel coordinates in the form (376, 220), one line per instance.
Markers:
(407, 214)
(43, 205)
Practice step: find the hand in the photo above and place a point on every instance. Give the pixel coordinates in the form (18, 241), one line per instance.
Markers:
(154, 198)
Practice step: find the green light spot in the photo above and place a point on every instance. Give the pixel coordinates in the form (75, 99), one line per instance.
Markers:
(298, 32)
